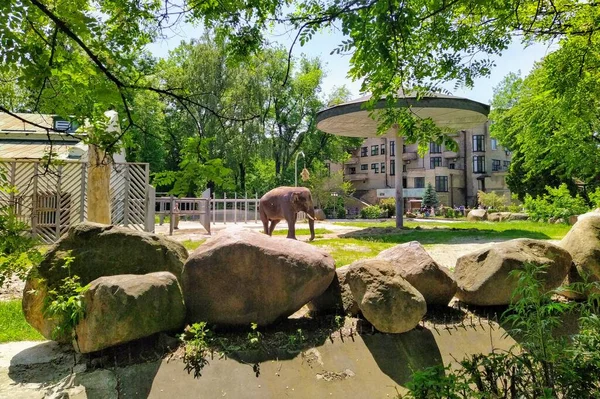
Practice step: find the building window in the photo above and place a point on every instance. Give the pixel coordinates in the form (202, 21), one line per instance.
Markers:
(435, 162)
(375, 167)
(374, 150)
(352, 171)
(364, 166)
(452, 166)
(403, 148)
(435, 148)
(478, 164)
(382, 150)
(478, 143)
(505, 165)
(392, 148)
(441, 183)
(404, 168)
(383, 167)
(392, 166)
(495, 165)
(419, 182)
(328, 166)
(494, 143)
(363, 152)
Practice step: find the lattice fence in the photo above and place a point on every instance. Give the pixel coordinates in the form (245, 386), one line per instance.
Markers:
(52, 198)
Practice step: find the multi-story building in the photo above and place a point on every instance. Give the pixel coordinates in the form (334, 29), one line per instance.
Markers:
(479, 164)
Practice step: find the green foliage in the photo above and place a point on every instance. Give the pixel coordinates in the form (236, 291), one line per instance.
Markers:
(64, 303)
(328, 189)
(14, 325)
(491, 199)
(18, 250)
(254, 336)
(371, 212)
(546, 365)
(196, 339)
(389, 206)
(558, 203)
(430, 197)
(594, 197)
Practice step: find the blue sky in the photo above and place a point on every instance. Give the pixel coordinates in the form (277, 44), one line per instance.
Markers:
(515, 58)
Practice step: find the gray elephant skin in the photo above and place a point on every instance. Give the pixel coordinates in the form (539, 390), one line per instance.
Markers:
(285, 203)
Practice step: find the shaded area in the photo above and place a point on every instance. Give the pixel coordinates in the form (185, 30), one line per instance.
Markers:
(47, 362)
(439, 235)
(400, 355)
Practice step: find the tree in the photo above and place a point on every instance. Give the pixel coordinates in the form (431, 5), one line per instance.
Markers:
(79, 58)
(550, 120)
(491, 200)
(430, 198)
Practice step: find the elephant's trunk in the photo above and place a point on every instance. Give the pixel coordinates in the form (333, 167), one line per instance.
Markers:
(311, 222)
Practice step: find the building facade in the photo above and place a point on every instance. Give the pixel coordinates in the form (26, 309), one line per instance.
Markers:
(479, 164)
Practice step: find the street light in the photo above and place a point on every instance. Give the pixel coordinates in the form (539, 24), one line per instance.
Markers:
(296, 168)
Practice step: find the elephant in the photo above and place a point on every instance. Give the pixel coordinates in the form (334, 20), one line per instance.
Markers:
(284, 203)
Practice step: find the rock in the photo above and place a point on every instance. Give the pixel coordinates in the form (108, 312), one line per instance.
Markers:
(494, 217)
(126, 307)
(568, 291)
(414, 264)
(320, 214)
(483, 276)
(410, 215)
(595, 212)
(476, 215)
(552, 220)
(572, 219)
(386, 300)
(518, 216)
(559, 221)
(241, 276)
(583, 243)
(337, 298)
(97, 250)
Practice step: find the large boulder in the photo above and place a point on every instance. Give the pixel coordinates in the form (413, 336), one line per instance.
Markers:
(126, 307)
(385, 299)
(320, 214)
(476, 215)
(484, 279)
(592, 213)
(90, 251)
(241, 276)
(337, 298)
(498, 216)
(414, 264)
(583, 243)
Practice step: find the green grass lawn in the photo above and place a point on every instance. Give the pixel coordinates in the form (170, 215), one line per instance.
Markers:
(512, 229)
(302, 232)
(14, 326)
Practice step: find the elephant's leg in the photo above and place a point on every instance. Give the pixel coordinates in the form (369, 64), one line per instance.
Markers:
(291, 221)
(265, 221)
(273, 224)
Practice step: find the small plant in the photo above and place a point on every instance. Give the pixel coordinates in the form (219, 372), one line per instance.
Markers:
(64, 303)
(196, 339)
(371, 212)
(254, 336)
(296, 340)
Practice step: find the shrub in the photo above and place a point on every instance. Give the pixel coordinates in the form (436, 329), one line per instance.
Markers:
(558, 203)
(492, 200)
(389, 206)
(371, 212)
(545, 366)
(595, 198)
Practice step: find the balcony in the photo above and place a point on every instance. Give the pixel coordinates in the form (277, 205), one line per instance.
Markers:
(352, 161)
(450, 154)
(356, 176)
(413, 192)
(410, 156)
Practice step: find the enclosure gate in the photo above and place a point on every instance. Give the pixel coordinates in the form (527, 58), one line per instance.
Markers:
(50, 198)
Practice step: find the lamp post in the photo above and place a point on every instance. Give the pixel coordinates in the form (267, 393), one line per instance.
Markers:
(296, 168)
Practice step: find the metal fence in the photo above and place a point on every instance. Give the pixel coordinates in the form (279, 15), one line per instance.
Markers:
(234, 209)
(50, 198)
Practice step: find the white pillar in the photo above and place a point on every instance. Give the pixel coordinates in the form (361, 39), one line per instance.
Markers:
(398, 183)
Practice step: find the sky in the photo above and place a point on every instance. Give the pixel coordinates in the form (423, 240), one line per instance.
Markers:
(516, 58)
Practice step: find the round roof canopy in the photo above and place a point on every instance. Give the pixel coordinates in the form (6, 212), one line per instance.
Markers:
(351, 119)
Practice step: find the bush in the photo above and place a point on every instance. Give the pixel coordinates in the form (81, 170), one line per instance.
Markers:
(492, 200)
(558, 203)
(595, 198)
(389, 206)
(545, 366)
(371, 212)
